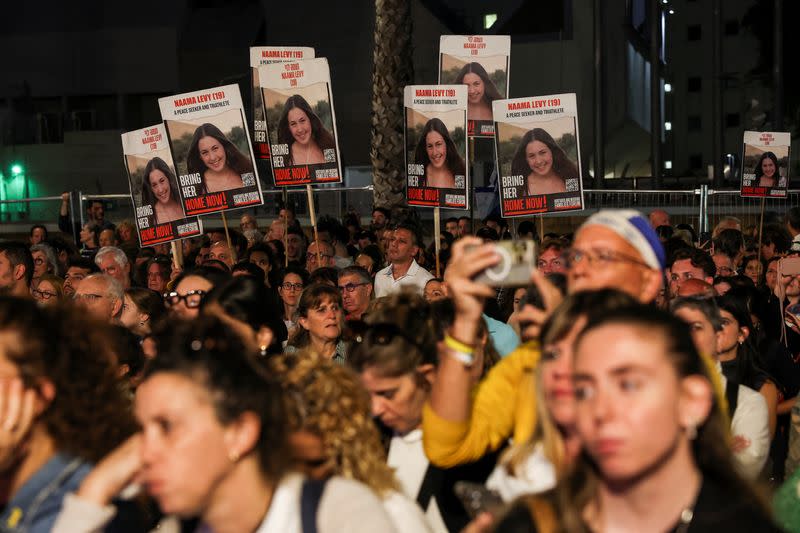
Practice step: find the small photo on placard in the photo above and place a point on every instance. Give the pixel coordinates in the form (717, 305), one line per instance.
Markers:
(154, 188)
(765, 164)
(481, 62)
(260, 56)
(538, 154)
(301, 122)
(210, 145)
(436, 146)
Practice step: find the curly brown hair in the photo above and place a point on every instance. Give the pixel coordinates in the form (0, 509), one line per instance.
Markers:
(91, 414)
(328, 400)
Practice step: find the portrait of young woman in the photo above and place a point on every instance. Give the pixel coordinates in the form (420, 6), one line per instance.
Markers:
(218, 161)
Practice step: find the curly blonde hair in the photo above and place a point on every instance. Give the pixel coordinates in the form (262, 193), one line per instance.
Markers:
(328, 400)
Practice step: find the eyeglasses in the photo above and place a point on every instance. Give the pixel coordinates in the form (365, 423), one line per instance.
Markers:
(44, 295)
(87, 296)
(191, 299)
(313, 257)
(350, 287)
(287, 286)
(600, 257)
(724, 271)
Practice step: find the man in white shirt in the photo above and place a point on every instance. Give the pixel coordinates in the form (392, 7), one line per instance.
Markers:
(403, 270)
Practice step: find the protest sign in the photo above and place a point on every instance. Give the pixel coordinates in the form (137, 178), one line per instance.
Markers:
(765, 164)
(260, 56)
(538, 154)
(210, 145)
(301, 122)
(481, 62)
(153, 184)
(436, 146)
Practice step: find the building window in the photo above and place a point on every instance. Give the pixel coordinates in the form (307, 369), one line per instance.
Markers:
(732, 120)
(694, 84)
(696, 161)
(695, 122)
(694, 32)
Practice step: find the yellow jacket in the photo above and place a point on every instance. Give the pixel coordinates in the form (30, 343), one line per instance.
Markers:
(503, 406)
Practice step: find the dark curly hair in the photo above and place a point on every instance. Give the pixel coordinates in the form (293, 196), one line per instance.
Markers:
(91, 414)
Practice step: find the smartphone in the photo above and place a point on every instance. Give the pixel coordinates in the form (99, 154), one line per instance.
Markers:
(789, 266)
(476, 498)
(517, 260)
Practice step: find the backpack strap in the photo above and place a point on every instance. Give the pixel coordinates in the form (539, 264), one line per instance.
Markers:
(732, 395)
(309, 503)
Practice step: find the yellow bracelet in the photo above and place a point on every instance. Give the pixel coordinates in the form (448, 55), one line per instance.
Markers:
(458, 346)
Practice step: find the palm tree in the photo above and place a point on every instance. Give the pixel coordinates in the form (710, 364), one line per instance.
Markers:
(393, 71)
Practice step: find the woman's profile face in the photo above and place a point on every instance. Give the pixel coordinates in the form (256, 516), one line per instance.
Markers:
(130, 313)
(627, 397)
(475, 88)
(159, 184)
(539, 158)
(436, 149)
(299, 125)
(86, 234)
(731, 333)
(768, 167)
(183, 451)
(325, 321)
(212, 153)
(556, 375)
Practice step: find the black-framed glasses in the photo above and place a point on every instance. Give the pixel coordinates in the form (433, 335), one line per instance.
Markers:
(44, 295)
(350, 287)
(191, 299)
(288, 286)
(600, 257)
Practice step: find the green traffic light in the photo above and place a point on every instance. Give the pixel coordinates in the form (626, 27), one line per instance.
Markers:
(16, 169)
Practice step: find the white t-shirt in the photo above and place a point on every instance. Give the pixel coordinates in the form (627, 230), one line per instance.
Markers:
(408, 459)
(416, 277)
(751, 421)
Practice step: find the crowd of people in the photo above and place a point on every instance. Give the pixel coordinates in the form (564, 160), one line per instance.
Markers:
(279, 379)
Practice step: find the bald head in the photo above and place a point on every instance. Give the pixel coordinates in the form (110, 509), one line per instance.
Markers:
(659, 217)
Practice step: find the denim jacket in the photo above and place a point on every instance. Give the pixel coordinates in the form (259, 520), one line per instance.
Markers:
(34, 507)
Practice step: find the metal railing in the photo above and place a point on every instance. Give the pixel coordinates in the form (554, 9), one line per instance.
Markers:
(701, 207)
